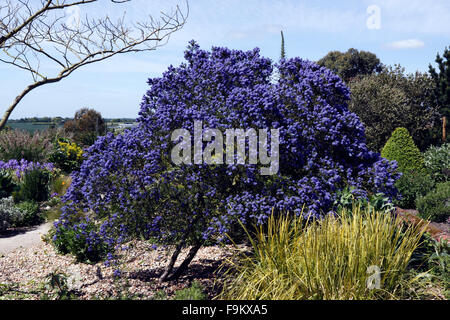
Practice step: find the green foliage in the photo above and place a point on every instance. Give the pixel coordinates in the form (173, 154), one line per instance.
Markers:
(412, 185)
(428, 270)
(66, 155)
(437, 162)
(86, 126)
(347, 199)
(393, 99)
(11, 291)
(439, 261)
(34, 187)
(31, 214)
(352, 63)
(441, 79)
(74, 241)
(333, 258)
(55, 287)
(60, 184)
(160, 295)
(435, 206)
(10, 215)
(401, 147)
(194, 292)
(7, 186)
(6, 287)
(13, 215)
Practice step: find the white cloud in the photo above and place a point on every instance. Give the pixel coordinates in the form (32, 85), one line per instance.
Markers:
(406, 44)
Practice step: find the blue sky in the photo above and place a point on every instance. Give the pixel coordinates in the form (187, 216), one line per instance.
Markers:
(410, 33)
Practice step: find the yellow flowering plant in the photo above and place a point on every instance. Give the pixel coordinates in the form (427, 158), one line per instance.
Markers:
(71, 149)
(67, 155)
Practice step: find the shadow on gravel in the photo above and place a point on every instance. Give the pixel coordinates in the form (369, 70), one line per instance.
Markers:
(16, 231)
(206, 271)
(202, 269)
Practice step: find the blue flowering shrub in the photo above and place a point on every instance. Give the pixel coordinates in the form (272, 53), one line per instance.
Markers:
(129, 185)
(81, 240)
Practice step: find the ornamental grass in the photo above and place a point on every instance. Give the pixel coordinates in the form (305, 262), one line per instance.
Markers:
(358, 254)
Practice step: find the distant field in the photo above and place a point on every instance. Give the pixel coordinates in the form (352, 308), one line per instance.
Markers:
(34, 126)
(30, 126)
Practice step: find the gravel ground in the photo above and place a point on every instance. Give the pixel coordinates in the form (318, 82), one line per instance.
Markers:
(140, 266)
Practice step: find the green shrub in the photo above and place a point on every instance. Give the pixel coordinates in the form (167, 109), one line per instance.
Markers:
(194, 292)
(401, 147)
(429, 270)
(74, 241)
(31, 212)
(412, 185)
(7, 185)
(60, 184)
(347, 199)
(393, 99)
(24, 214)
(34, 187)
(86, 126)
(437, 162)
(435, 206)
(56, 287)
(334, 258)
(66, 155)
(439, 261)
(10, 215)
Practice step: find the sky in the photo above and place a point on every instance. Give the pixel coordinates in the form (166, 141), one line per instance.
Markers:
(405, 32)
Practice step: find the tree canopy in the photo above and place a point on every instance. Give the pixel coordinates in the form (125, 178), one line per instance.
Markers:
(352, 63)
(393, 99)
(441, 78)
(86, 126)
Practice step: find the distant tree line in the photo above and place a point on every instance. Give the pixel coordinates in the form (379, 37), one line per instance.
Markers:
(83, 129)
(61, 120)
(40, 119)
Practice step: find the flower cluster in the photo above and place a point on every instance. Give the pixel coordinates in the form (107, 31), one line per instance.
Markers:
(71, 149)
(130, 182)
(23, 166)
(67, 155)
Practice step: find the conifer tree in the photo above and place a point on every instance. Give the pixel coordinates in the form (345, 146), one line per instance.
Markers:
(401, 148)
(442, 81)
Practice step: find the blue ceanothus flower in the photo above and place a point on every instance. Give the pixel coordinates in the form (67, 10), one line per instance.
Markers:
(130, 186)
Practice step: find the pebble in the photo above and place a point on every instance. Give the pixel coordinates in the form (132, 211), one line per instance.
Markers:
(140, 267)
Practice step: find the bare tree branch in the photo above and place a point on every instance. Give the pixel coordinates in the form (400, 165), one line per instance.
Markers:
(35, 31)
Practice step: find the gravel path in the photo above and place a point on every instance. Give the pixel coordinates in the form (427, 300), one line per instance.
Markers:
(29, 238)
(140, 265)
